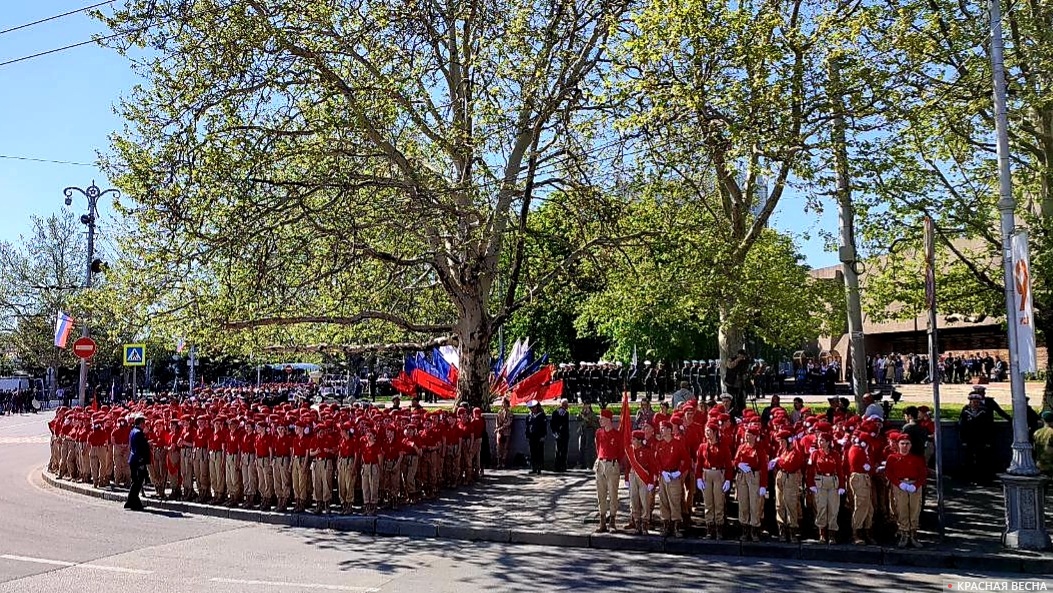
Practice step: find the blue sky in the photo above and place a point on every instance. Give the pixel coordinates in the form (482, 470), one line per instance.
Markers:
(60, 107)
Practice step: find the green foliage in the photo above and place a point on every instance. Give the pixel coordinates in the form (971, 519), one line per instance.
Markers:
(38, 276)
(356, 172)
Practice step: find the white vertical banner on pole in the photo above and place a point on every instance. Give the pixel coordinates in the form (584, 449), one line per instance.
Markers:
(1025, 320)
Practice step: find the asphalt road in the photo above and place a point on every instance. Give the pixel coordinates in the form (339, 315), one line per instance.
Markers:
(56, 542)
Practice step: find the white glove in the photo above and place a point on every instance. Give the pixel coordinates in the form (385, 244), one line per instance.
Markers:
(650, 487)
(866, 467)
(772, 464)
(675, 475)
(627, 484)
(745, 468)
(913, 488)
(763, 492)
(811, 450)
(904, 486)
(814, 489)
(841, 491)
(700, 483)
(665, 477)
(726, 486)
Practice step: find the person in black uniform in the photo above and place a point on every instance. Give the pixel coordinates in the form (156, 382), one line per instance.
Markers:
(975, 427)
(585, 381)
(650, 379)
(572, 382)
(917, 433)
(536, 431)
(139, 460)
(662, 378)
(613, 387)
(560, 426)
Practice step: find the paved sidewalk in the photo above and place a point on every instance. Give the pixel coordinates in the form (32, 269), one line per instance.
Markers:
(559, 510)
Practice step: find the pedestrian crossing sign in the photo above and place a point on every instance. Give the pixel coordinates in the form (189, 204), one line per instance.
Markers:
(134, 355)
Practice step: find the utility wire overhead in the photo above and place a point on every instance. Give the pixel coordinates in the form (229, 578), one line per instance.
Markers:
(36, 160)
(58, 49)
(57, 16)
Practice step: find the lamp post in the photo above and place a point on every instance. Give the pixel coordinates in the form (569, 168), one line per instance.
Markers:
(1023, 486)
(92, 193)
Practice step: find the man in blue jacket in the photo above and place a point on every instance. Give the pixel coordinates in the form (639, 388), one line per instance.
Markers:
(139, 460)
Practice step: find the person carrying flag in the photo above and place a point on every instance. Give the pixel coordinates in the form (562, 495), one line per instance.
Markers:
(609, 452)
(640, 480)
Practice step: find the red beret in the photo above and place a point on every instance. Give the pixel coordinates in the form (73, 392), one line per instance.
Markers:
(639, 434)
(784, 434)
(606, 413)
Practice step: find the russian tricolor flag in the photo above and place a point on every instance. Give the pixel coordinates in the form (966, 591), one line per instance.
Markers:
(63, 328)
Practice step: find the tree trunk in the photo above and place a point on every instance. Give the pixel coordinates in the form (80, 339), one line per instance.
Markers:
(729, 339)
(473, 333)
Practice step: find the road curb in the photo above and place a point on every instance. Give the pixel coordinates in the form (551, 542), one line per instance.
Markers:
(389, 526)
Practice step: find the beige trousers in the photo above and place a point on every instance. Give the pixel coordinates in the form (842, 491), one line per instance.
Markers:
(862, 501)
(201, 471)
(264, 477)
(370, 483)
(280, 466)
(235, 486)
(827, 502)
(346, 479)
(670, 498)
(638, 499)
(908, 509)
(751, 508)
(217, 473)
(713, 496)
(105, 465)
(248, 474)
(322, 475)
(788, 499)
(607, 479)
(409, 475)
(122, 471)
(95, 464)
(301, 478)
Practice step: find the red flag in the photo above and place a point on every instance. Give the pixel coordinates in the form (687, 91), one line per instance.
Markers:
(532, 386)
(552, 391)
(441, 389)
(95, 402)
(626, 426)
(404, 384)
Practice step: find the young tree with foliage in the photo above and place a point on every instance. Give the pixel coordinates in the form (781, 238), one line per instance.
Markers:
(38, 276)
(730, 105)
(935, 152)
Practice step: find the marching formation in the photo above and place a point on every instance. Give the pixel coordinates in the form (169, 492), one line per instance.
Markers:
(819, 466)
(281, 457)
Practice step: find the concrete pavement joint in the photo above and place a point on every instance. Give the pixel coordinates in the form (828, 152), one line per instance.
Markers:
(388, 526)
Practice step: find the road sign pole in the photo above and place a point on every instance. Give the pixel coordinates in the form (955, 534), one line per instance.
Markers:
(135, 381)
